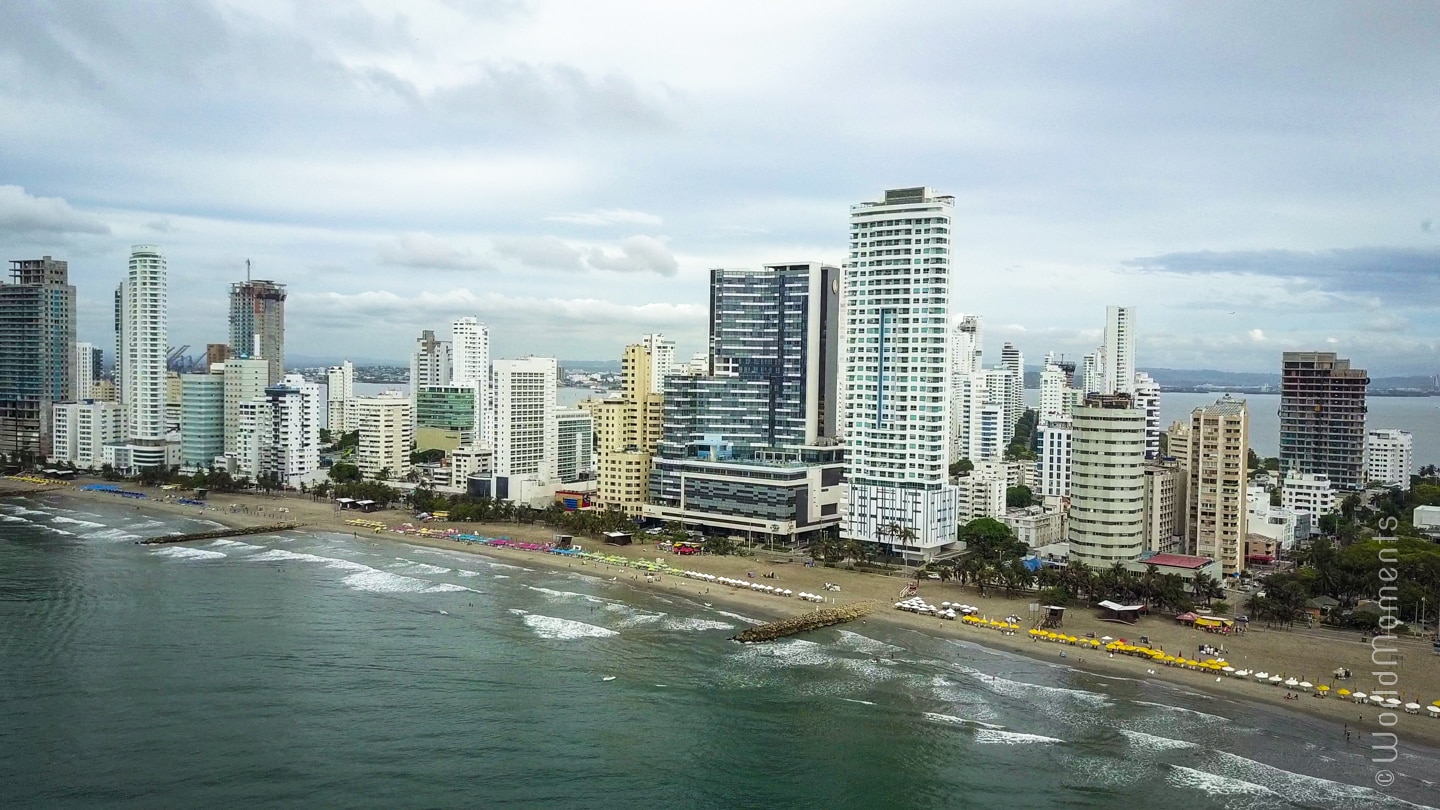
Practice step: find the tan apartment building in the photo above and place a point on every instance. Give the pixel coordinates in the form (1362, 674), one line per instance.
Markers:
(627, 430)
(1216, 506)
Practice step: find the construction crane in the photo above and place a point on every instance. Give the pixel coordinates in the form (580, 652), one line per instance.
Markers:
(178, 361)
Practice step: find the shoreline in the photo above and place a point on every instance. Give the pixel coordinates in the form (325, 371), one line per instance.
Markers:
(1414, 731)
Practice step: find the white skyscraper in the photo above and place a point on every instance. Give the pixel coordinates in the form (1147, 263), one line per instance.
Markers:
(527, 433)
(1119, 350)
(140, 348)
(1055, 396)
(429, 363)
(896, 411)
(470, 341)
(1012, 362)
(245, 381)
(1389, 457)
(1055, 448)
(340, 398)
(662, 360)
(1147, 399)
(1092, 373)
(84, 371)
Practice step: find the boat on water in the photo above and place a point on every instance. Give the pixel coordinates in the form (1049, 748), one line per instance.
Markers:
(608, 678)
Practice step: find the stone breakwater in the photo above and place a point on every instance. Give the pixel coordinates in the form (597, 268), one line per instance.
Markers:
(824, 617)
(216, 534)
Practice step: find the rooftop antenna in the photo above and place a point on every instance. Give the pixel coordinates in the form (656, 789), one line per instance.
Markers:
(247, 270)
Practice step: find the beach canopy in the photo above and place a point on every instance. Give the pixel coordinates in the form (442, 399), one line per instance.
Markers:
(1434, 710)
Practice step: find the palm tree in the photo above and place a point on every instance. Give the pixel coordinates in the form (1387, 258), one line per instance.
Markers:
(1205, 587)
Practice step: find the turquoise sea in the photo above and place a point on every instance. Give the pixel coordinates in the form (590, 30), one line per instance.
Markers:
(317, 670)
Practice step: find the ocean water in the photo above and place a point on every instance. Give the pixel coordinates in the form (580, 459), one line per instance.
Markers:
(312, 669)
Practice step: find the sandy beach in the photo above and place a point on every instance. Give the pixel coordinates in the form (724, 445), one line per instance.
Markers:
(1304, 654)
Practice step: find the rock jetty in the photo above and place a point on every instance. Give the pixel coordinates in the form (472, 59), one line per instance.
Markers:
(824, 617)
(216, 534)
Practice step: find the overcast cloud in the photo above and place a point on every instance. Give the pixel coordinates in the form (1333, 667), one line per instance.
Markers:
(1253, 178)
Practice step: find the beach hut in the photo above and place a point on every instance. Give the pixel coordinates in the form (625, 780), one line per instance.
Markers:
(618, 538)
(367, 505)
(1116, 612)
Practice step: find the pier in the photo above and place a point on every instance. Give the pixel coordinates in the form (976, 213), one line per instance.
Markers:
(825, 617)
(25, 493)
(217, 534)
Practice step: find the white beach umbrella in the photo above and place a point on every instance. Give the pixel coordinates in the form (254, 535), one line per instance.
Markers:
(1260, 676)
(1377, 699)
(1358, 697)
(1306, 684)
(1413, 708)
(1228, 670)
(1291, 682)
(1433, 710)
(1275, 679)
(1392, 702)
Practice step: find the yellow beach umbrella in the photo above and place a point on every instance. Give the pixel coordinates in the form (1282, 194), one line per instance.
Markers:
(1322, 688)
(1343, 693)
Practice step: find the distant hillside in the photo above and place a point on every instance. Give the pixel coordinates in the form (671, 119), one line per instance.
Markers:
(591, 365)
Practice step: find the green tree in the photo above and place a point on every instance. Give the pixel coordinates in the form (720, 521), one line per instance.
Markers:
(989, 539)
(1019, 497)
(343, 473)
(958, 468)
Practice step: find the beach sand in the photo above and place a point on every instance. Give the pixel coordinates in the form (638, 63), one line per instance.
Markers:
(1304, 654)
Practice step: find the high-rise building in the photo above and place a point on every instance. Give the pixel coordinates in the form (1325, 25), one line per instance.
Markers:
(444, 417)
(627, 431)
(526, 434)
(257, 323)
(1312, 493)
(37, 348)
(1055, 398)
(1107, 481)
(1092, 373)
(202, 418)
(470, 345)
(386, 426)
(1147, 399)
(81, 430)
(85, 369)
(575, 432)
(967, 345)
(340, 398)
(1217, 511)
(1389, 457)
(141, 346)
(1164, 507)
(1012, 362)
(430, 363)
(896, 413)
(1119, 350)
(216, 353)
(1322, 418)
(749, 446)
(1056, 436)
(243, 381)
(662, 360)
(290, 445)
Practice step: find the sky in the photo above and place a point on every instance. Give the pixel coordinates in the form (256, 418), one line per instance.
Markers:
(1253, 178)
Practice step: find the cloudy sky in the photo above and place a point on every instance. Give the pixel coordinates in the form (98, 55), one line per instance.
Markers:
(1252, 177)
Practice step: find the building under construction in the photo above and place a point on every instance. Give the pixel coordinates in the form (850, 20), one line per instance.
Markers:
(1322, 418)
(37, 345)
(257, 323)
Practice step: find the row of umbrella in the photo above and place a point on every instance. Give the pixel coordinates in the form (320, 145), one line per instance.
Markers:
(748, 585)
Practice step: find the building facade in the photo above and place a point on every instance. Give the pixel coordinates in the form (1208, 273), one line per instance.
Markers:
(1389, 457)
(257, 324)
(1165, 488)
(526, 434)
(1308, 492)
(37, 351)
(142, 336)
(470, 349)
(1119, 354)
(81, 430)
(1107, 481)
(896, 413)
(447, 408)
(85, 370)
(1217, 509)
(575, 441)
(340, 398)
(1056, 438)
(627, 434)
(202, 418)
(244, 380)
(1147, 399)
(387, 430)
(1322, 418)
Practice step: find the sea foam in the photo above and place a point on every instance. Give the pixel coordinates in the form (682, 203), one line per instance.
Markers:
(552, 627)
(987, 736)
(186, 553)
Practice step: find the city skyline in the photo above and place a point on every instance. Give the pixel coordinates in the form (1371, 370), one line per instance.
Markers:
(588, 189)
